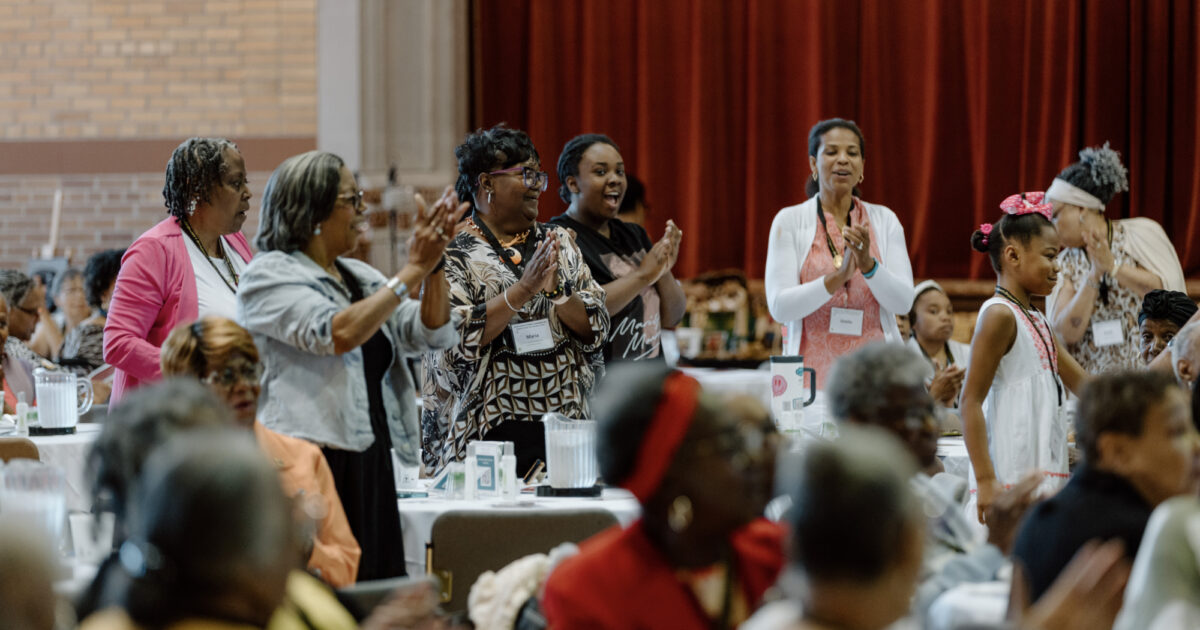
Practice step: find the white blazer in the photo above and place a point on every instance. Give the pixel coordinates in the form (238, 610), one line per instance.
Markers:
(792, 234)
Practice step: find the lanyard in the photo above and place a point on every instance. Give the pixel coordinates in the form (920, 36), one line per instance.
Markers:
(187, 229)
(837, 257)
(500, 250)
(1051, 351)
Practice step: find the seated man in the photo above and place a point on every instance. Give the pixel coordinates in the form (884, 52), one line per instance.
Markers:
(1140, 449)
(884, 385)
(1162, 314)
(1184, 354)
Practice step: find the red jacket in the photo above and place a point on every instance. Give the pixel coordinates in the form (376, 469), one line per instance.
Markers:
(620, 580)
(155, 291)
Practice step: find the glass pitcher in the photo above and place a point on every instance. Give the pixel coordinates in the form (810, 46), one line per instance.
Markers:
(61, 398)
(570, 451)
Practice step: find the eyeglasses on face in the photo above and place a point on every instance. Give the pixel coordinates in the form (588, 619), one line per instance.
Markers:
(248, 373)
(353, 199)
(533, 178)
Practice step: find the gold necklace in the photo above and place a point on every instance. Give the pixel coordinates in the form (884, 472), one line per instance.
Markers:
(191, 232)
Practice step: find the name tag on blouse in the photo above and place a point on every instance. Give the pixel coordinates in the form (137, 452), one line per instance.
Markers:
(1107, 333)
(846, 321)
(532, 336)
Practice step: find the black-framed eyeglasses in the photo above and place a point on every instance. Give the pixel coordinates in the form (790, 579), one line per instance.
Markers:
(354, 199)
(533, 178)
(248, 373)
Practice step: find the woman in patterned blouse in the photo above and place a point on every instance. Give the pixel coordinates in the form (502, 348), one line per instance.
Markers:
(1107, 266)
(533, 319)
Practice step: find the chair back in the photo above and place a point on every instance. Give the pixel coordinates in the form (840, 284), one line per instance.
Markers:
(18, 448)
(362, 597)
(463, 544)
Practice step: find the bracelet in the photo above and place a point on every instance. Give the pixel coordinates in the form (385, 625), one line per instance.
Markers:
(397, 287)
(870, 274)
(559, 301)
(506, 302)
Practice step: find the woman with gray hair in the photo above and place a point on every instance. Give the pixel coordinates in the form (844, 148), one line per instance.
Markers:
(334, 334)
(186, 266)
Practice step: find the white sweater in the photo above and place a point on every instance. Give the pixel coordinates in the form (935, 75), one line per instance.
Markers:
(792, 234)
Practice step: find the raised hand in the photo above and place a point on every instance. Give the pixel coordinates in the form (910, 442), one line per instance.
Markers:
(541, 272)
(947, 382)
(858, 242)
(434, 228)
(1099, 251)
(676, 236)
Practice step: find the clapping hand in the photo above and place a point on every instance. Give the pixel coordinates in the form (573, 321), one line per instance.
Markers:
(676, 235)
(541, 272)
(434, 228)
(858, 242)
(947, 382)
(1098, 251)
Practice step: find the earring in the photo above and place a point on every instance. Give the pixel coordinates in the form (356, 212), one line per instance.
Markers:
(489, 197)
(679, 515)
(814, 176)
(317, 230)
(191, 209)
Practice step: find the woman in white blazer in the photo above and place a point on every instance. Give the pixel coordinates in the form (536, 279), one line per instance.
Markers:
(837, 267)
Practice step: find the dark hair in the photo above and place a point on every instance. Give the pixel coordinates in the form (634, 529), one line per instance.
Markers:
(14, 285)
(1196, 404)
(1117, 403)
(1099, 172)
(1173, 306)
(487, 150)
(624, 404)
(300, 194)
(853, 490)
(635, 193)
(100, 273)
(194, 169)
(912, 311)
(572, 153)
(194, 526)
(144, 419)
(1020, 227)
(814, 145)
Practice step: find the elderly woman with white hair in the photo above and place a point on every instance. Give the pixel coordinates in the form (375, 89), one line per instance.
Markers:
(1107, 267)
(335, 334)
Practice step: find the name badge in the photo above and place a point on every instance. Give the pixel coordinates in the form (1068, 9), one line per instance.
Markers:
(1107, 333)
(532, 336)
(846, 321)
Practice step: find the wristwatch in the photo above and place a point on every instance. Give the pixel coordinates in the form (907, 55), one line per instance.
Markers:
(397, 286)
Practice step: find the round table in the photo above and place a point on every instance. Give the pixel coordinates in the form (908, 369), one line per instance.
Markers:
(417, 515)
(70, 453)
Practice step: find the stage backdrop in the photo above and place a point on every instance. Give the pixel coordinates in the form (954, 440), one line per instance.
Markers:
(962, 103)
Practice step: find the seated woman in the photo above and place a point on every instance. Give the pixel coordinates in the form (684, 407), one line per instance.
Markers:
(83, 342)
(701, 555)
(71, 307)
(195, 552)
(1162, 314)
(932, 321)
(223, 355)
(854, 491)
(531, 317)
(641, 294)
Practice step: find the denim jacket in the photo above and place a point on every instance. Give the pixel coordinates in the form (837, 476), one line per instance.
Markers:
(288, 302)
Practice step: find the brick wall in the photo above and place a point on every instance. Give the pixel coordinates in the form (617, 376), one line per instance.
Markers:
(157, 68)
(94, 94)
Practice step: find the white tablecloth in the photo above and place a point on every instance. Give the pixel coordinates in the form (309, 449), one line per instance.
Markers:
(417, 516)
(953, 453)
(70, 452)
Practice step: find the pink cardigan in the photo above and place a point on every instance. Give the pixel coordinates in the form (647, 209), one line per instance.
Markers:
(155, 291)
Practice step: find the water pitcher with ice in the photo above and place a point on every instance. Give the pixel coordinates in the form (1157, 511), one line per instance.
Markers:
(570, 451)
(61, 398)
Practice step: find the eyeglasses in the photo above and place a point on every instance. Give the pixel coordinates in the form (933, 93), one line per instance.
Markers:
(245, 373)
(355, 199)
(533, 178)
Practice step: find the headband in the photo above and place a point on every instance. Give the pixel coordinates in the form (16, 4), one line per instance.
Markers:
(926, 286)
(670, 423)
(1066, 192)
(1027, 203)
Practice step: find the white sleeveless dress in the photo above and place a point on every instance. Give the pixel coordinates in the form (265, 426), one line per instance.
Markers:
(1026, 426)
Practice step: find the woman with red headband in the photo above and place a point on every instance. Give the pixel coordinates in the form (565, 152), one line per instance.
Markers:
(701, 556)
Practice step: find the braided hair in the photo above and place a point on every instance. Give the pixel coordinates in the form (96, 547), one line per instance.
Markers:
(572, 153)
(194, 169)
(1099, 172)
(1173, 306)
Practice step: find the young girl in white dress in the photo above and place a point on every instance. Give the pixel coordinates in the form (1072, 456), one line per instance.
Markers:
(1012, 406)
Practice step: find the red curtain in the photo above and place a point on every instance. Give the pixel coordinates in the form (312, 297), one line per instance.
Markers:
(961, 103)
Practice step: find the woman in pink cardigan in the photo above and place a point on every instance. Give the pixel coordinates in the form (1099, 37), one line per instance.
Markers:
(183, 268)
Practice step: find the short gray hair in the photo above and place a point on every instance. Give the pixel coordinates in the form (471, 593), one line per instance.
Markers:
(1184, 345)
(14, 286)
(300, 194)
(855, 385)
